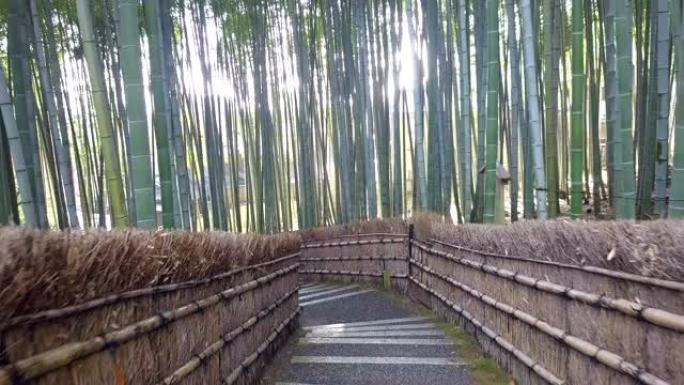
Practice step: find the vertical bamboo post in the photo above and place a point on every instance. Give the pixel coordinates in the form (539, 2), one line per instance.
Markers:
(411, 234)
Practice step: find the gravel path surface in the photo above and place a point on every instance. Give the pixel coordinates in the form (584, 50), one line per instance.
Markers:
(354, 335)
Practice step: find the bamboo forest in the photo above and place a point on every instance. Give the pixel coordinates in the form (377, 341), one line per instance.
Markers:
(278, 115)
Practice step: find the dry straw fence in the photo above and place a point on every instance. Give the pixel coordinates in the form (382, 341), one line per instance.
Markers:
(589, 304)
(218, 328)
(545, 321)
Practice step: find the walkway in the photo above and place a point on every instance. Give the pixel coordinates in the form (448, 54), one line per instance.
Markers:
(355, 335)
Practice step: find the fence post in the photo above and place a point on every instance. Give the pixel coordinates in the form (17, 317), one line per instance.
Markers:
(411, 234)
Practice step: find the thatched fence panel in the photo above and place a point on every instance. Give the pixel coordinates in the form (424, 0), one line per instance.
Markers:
(364, 258)
(210, 330)
(546, 322)
(654, 292)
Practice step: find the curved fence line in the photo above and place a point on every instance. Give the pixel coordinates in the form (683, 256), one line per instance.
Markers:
(499, 340)
(607, 358)
(199, 358)
(51, 314)
(652, 315)
(663, 283)
(244, 365)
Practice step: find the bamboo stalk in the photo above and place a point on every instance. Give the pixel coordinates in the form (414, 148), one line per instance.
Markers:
(657, 317)
(503, 343)
(662, 283)
(37, 365)
(607, 358)
(215, 347)
(244, 365)
(52, 314)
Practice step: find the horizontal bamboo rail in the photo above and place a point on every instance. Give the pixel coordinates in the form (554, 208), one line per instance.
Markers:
(360, 242)
(652, 315)
(351, 258)
(244, 365)
(502, 342)
(661, 283)
(52, 314)
(226, 339)
(352, 273)
(400, 235)
(45, 362)
(607, 358)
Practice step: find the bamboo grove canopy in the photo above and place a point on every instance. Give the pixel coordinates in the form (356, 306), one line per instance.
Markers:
(273, 115)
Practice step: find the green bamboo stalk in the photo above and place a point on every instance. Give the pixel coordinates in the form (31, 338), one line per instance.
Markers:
(534, 106)
(492, 131)
(615, 142)
(64, 188)
(63, 110)
(516, 114)
(168, 39)
(8, 196)
(676, 208)
(466, 156)
(551, 36)
(578, 107)
(419, 170)
(662, 69)
(25, 201)
(136, 114)
(594, 75)
(377, 39)
(102, 109)
(480, 17)
(17, 53)
(160, 97)
(398, 193)
(646, 111)
(625, 73)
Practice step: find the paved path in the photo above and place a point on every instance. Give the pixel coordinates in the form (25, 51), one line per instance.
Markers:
(358, 336)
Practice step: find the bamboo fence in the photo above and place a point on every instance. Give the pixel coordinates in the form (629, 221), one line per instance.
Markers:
(546, 322)
(656, 292)
(366, 258)
(209, 329)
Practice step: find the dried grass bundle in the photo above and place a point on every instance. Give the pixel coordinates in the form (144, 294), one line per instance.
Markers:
(654, 248)
(46, 269)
